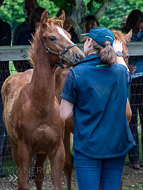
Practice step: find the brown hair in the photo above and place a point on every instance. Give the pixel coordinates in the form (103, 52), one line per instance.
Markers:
(134, 19)
(91, 17)
(107, 54)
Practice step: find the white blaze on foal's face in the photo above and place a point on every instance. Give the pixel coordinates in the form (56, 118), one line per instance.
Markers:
(63, 34)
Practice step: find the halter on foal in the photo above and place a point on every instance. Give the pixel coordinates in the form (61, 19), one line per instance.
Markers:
(31, 110)
(60, 64)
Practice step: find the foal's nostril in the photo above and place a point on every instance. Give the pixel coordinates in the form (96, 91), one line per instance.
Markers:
(78, 57)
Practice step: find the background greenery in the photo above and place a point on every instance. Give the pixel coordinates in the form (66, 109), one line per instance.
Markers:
(13, 11)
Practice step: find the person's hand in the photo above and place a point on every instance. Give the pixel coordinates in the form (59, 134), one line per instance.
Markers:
(132, 68)
(117, 45)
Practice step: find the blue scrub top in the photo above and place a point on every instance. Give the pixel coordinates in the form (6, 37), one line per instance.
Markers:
(99, 94)
(137, 60)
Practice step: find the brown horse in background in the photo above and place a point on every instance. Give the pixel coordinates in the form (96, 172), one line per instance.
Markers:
(31, 110)
(60, 80)
(118, 35)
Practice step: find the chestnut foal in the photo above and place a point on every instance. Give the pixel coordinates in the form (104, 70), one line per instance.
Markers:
(31, 110)
(60, 80)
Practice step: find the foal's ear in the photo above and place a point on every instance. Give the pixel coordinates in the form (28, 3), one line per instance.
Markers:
(128, 36)
(62, 17)
(44, 17)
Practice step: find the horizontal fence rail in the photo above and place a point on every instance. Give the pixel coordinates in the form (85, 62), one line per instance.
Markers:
(15, 53)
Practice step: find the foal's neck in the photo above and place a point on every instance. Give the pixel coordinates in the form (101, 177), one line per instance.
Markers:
(43, 79)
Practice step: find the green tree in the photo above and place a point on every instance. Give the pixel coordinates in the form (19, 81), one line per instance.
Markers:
(13, 11)
(109, 13)
(117, 9)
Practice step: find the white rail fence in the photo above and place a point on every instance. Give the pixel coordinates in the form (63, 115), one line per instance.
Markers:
(15, 53)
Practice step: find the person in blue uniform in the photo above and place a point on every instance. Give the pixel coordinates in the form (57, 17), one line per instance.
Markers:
(135, 22)
(95, 92)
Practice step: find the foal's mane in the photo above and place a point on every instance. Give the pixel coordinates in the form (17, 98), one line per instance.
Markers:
(118, 35)
(50, 24)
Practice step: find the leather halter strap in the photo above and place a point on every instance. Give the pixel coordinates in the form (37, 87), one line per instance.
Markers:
(60, 64)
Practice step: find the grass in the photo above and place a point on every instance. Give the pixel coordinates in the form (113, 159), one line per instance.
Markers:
(12, 68)
(9, 167)
(140, 151)
(139, 187)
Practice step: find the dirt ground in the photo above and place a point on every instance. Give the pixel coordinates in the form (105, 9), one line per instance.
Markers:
(131, 178)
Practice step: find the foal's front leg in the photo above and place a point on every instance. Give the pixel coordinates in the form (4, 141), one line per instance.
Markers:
(25, 158)
(68, 166)
(39, 171)
(57, 163)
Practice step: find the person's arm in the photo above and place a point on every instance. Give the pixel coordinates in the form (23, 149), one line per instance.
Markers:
(118, 49)
(66, 109)
(68, 97)
(121, 61)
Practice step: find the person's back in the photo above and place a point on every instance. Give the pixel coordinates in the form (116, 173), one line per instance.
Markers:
(100, 86)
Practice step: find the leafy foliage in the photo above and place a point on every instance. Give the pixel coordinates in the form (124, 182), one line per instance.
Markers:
(117, 9)
(90, 6)
(13, 11)
(64, 4)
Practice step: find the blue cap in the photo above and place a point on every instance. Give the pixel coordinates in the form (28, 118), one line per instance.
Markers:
(100, 35)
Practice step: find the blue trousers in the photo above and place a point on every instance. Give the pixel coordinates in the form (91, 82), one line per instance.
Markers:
(89, 172)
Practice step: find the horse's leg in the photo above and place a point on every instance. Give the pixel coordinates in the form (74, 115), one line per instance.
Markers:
(39, 171)
(121, 185)
(128, 111)
(57, 163)
(68, 166)
(25, 157)
(15, 155)
(99, 186)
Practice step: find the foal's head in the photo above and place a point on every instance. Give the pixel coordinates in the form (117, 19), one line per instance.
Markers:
(118, 35)
(57, 39)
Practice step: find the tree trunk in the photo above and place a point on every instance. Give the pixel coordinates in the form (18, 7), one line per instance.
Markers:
(78, 14)
(102, 9)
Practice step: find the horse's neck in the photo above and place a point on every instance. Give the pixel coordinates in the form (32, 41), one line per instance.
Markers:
(42, 86)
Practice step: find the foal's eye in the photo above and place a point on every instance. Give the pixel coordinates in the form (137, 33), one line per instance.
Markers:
(52, 38)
